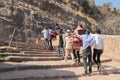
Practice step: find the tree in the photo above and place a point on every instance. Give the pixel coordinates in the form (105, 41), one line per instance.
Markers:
(87, 8)
(118, 10)
(108, 4)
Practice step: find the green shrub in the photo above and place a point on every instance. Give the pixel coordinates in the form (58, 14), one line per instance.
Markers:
(3, 56)
(87, 8)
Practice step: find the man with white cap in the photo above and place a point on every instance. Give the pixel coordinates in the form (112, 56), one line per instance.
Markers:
(67, 33)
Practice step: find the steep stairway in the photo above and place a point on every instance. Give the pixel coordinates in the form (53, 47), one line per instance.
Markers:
(40, 64)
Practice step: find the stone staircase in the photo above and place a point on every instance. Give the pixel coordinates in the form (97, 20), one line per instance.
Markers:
(38, 64)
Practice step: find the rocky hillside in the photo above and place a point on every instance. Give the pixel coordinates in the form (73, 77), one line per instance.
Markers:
(110, 21)
(43, 12)
(33, 15)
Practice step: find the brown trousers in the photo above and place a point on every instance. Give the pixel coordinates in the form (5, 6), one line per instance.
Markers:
(67, 52)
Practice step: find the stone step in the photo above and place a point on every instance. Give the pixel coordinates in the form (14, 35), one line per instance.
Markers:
(30, 55)
(13, 66)
(36, 58)
(22, 44)
(40, 52)
(41, 74)
(22, 58)
(27, 47)
(36, 49)
(61, 74)
(30, 49)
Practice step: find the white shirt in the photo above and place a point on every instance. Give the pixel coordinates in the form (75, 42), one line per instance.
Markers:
(99, 44)
(45, 33)
(50, 31)
(88, 40)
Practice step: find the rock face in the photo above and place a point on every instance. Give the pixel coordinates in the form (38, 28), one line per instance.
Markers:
(36, 14)
(110, 22)
(4, 8)
(33, 15)
(42, 12)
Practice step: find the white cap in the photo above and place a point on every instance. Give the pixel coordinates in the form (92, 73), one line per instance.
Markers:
(68, 31)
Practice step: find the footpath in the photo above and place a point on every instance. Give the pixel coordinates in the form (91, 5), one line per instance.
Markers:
(39, 64)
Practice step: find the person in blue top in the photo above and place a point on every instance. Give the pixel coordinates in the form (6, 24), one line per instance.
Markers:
(88, 41)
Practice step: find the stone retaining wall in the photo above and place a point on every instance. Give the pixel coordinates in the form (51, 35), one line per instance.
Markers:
(112, 44)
